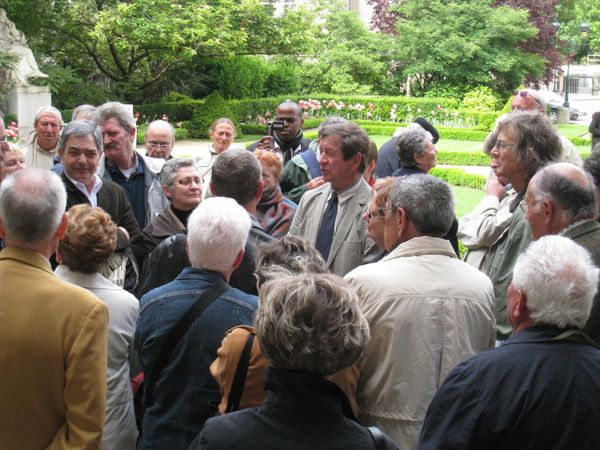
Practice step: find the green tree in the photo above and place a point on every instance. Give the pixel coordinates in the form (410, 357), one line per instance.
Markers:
(464, 42)
(137, 44)
(348, 58)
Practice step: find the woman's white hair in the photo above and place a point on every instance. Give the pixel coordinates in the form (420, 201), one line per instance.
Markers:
(559, 280)
(217, 231)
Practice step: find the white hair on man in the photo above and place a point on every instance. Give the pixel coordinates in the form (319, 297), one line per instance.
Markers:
(32, 204)
(217, 231)
(559, 281)
(47, 110)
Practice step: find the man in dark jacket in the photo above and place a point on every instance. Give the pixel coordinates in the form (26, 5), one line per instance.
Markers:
(236, 174)
(540, 389)
(80, 149)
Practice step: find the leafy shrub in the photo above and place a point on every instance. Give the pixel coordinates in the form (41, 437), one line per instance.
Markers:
(578, 140)
(174, 96)
(458, 177)
(213, 108)
(481, 98)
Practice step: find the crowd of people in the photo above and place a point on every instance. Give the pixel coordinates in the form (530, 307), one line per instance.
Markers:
(295, 294)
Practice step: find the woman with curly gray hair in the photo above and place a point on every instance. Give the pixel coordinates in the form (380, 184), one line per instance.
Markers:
(310, 326)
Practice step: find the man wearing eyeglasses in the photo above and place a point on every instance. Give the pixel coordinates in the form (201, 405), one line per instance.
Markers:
(159, 140)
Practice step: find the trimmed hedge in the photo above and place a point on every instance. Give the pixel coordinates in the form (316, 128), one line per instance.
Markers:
(463, 158)
(458, 177)
(175, 111)
(213, 108)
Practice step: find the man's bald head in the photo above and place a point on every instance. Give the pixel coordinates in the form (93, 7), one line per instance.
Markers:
(559, 195)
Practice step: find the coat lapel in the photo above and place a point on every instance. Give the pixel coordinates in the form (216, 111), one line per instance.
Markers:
(352, 213)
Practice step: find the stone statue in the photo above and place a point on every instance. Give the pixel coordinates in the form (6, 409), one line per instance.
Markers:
(14, 43)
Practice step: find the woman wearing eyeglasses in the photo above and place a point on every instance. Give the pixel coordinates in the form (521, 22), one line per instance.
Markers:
(375, 214)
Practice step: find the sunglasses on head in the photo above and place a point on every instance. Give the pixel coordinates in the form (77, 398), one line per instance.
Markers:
(526, 94)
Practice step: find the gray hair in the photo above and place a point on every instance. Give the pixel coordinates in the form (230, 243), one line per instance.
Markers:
(293, 253)
(330, 121)
(6, 148)
(353, 140)
(577, 202)
(217, 231)
(81, 128)
(559, 280)
(160, 124)
(311, 323)
(236, 174)
(428, 202)
(32, 204)
(219, 121)
(87, 111)
(537, 143)
(171, 167)
(47, 110)
(411, 142)
(117, 111)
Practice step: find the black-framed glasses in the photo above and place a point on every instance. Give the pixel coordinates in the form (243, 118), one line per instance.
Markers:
(526, 94)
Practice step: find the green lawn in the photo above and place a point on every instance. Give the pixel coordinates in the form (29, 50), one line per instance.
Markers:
(466, 199)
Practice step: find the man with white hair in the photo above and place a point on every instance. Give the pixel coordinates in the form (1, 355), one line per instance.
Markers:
(427, 310)
(540, 389)
(41, 145)
(561, 199)
(181, 325)
(53, 334)
(159, 139)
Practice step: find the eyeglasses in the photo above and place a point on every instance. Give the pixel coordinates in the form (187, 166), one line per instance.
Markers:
(157, 145)
(3, 139)
(503, 145)
(526, 94)
(189, 180)
(379, 214)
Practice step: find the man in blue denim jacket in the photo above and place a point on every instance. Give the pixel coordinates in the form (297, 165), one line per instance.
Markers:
(217, 231)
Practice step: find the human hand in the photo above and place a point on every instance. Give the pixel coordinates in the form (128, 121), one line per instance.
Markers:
(496, 188)
(315, 183)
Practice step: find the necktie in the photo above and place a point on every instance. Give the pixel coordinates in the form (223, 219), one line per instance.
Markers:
(325, 236)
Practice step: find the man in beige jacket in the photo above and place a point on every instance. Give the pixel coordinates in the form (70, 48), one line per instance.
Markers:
(53, 335)
(427, 310)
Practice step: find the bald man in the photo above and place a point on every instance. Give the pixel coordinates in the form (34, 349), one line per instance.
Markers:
(561, 199)
(159, 140)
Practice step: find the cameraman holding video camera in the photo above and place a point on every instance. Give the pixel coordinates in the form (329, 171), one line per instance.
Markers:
(285, 136)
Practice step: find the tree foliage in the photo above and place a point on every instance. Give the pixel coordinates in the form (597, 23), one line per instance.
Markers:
(541, 14)
(464, 42)
(348, 58)
(136, 44)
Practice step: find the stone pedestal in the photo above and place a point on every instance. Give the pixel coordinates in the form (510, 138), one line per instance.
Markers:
(24, 101)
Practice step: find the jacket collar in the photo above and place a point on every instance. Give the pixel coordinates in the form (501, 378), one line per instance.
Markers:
(26, 257)
(85, 280)
(422, 245)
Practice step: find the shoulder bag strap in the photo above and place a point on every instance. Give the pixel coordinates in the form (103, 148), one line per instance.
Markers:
(178, 331)
(378, 438)
(239, 380)
(311, 161)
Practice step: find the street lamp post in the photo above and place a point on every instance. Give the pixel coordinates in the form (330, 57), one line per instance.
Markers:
(584, 29)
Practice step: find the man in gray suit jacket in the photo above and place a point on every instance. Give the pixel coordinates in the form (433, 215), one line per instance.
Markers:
(330, 217)
(561, 199)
